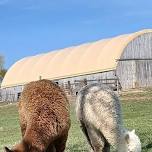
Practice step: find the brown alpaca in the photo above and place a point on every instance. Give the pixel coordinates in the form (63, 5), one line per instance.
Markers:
(44, 118)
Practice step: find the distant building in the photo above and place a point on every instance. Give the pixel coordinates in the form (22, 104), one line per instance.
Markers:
(125, 60)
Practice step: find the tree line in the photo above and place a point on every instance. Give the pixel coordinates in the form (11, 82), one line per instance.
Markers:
(2, 69)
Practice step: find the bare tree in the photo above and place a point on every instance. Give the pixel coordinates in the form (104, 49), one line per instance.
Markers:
(2, 70)
(1, 62)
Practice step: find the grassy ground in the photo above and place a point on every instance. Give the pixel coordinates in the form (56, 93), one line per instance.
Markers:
(137, 108)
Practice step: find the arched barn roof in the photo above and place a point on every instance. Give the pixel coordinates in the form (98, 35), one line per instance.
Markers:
(87, 58)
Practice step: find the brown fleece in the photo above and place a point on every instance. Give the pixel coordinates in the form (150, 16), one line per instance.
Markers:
(44, 118)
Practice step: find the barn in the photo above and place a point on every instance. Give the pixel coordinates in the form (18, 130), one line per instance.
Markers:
(123, 61)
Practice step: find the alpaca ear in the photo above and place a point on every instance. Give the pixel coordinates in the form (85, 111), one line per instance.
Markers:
(7, 150)
(133, 131)
(127, 138)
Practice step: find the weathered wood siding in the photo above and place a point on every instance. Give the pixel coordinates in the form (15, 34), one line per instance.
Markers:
(126, 74)
(102, 75)
(97, 76)
(134, 68)
(144, 73)
(11, 94)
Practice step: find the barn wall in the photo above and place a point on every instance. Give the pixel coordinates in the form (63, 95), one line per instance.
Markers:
(135, 65)
(141, 48)
(102, 75)
(11, 94)
(76, 85)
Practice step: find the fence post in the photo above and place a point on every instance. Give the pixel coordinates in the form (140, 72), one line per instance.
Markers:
(117, 86)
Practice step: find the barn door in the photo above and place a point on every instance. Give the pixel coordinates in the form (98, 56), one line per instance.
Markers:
(126, 72)
(144, 73)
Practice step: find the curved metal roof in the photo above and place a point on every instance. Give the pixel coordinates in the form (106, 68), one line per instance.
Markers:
(73, 61)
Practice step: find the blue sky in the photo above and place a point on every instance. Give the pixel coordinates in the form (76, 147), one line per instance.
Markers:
(29, 27)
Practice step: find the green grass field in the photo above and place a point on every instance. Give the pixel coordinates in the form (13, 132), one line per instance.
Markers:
(137, 113)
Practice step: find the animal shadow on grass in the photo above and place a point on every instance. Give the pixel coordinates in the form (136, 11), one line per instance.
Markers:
(148, 146)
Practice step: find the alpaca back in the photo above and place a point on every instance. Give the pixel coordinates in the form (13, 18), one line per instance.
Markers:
(45, 97)
(99, 106)
(44, 109)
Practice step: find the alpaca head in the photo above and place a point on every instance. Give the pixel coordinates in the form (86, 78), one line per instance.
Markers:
(7, 150)
(130, 142)
(18, 148)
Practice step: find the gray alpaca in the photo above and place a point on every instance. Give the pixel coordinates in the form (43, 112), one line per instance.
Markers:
(99, 113)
